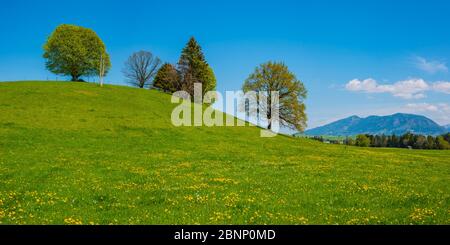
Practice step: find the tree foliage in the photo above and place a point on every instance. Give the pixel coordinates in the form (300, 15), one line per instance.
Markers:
(75, 51)
(273, 76)
(362, 141)
(167, 79)
(441, 143)
(193, 68)
(407, 140)
(140, 68)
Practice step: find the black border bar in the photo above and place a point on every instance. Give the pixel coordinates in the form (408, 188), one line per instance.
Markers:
(164, 233)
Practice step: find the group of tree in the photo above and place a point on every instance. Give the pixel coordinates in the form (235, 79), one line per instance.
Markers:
(78, 52)
(326, 140)
(147, 71)
(408, 140)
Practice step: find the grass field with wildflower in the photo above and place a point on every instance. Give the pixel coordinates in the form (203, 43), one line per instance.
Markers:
(75, 153)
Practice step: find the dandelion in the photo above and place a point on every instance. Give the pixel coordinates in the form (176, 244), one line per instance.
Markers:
(420, 214)
(138, 170)
(231, 200)
(365, 187)
(225, 181)
(220, 217)
(72, 221)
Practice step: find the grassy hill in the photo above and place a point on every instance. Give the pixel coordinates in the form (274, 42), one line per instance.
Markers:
(73, 153)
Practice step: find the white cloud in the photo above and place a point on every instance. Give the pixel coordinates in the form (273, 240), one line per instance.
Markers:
(421, 107)
(430, 66)
(443, 87)
(364, 85)
(406, 89)
(439, 112)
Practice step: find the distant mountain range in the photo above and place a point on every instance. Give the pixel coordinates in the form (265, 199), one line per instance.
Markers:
(398, 124)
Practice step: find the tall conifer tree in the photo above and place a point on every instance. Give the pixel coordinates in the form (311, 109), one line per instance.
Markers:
(193, 68)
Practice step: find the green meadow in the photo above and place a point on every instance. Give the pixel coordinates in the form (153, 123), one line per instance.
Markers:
(76, 153)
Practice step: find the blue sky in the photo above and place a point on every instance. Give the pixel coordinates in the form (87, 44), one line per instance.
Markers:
(354, 57)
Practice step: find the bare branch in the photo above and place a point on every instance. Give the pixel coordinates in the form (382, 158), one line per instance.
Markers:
(140, 68)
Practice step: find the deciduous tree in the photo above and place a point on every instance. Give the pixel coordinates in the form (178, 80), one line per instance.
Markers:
(140, 68)
(362, 140)
(75, 51)
(273, 76)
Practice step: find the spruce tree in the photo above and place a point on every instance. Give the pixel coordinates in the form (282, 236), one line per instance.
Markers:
(193, 68)
(167, 79)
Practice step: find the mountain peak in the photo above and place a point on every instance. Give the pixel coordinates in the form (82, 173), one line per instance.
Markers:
(398, 123)
(406, 115)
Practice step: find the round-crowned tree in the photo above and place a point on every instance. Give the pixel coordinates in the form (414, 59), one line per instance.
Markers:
(76, 51)
(167, 79)
(275, 76)
(362, 140)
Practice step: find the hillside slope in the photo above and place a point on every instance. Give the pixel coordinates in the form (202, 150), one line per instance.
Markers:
(77, 153)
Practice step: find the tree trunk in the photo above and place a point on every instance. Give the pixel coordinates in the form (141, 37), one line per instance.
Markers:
(75, 78)
(269, 127)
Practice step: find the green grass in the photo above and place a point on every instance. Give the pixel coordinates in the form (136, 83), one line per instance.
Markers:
(77, 153)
